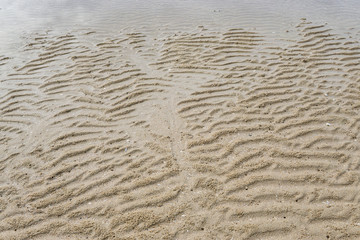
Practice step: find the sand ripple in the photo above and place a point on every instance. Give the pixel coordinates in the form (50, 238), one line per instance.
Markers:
(194, 135)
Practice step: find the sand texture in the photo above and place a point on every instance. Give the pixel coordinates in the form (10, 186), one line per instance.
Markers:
(196, 135)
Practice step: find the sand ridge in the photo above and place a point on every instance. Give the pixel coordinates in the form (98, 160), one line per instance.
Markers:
(193, 135)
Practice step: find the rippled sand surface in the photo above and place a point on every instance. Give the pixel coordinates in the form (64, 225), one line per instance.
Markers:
(170, 124)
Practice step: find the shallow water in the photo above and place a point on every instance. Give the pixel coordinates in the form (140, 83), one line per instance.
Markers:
(19, 18)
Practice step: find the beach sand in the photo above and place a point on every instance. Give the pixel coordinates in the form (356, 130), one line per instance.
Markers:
(199, 134)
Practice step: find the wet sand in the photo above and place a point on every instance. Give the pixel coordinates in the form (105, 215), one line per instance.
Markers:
(198, 134)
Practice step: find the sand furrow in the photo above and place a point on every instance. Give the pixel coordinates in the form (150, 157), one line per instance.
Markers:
(193, 134)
